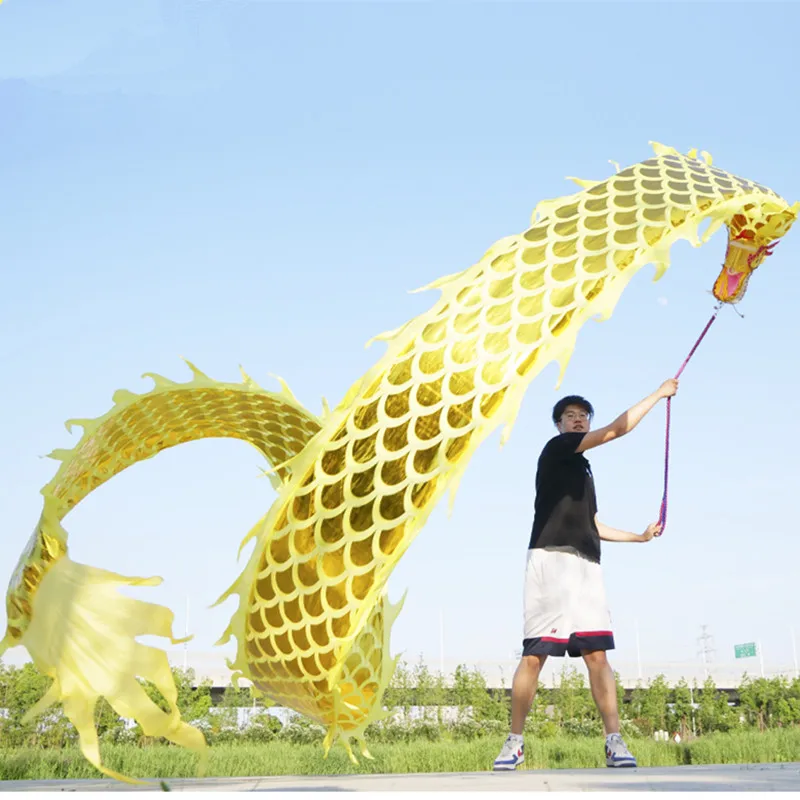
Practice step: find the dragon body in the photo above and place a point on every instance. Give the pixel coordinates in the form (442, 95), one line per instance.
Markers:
(355, 487)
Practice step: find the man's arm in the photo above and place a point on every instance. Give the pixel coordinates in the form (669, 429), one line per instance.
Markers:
(608, 534)
(627, 421)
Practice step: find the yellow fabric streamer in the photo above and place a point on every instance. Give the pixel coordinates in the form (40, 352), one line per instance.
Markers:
(354, 488)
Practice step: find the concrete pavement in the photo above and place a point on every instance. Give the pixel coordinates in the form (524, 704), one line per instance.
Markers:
(731, 777)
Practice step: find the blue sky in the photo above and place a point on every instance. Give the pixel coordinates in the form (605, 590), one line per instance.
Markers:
(261, 184)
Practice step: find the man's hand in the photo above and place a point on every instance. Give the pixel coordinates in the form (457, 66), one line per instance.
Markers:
(653, 529)
(608, 534)
(669, 388)
(627, 421)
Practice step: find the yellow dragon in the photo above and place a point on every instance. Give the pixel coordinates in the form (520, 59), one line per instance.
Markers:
(355, 487)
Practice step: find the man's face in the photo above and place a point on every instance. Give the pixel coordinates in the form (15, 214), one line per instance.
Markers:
(574, 420)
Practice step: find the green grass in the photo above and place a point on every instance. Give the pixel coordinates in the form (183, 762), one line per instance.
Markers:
(280, 758)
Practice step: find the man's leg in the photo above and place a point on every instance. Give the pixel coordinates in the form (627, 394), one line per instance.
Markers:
(541, 614)
(604, 692)
(604, 688)
(523, 690)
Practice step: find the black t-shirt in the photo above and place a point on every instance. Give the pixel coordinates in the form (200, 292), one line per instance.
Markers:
(565, 500)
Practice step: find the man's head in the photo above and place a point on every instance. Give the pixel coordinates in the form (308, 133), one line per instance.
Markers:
(573, 414)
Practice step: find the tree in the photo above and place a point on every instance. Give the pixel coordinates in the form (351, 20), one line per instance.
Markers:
(637, 700)
(621, 706)
(636, 713)
(22, 687)
(654, 707)
(398, 695)
(757, 697)
(109, 724)
(682, 711)
(225, 717)
(439, 695)
(423, 683)
(790, 713)
(574, 708)
(538, 721)
(194, 699)
(713, 712)
(726, 717)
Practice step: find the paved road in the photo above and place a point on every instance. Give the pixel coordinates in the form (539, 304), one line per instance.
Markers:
(734, 777)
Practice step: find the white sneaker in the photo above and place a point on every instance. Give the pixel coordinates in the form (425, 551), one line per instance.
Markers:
(512, 754)
(617, 754)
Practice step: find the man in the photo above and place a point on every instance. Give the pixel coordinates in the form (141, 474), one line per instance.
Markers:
(565, 608)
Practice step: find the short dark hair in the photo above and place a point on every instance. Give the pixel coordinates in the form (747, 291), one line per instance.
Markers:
(571, 400)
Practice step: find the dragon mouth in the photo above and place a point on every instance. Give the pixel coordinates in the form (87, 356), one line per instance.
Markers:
(731, 286)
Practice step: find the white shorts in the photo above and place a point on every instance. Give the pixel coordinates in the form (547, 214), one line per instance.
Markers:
(565, 605)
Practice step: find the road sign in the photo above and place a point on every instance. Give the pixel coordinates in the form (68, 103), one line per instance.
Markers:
(745, 650)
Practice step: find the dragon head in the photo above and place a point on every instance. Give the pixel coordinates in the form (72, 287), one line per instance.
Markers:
(753, 233)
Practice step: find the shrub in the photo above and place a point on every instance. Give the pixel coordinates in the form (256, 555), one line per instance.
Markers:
(582, 727)
(301, 731)
(262, 728)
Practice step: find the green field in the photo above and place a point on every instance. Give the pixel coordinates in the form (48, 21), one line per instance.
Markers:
(282, 758)
(562, 731)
